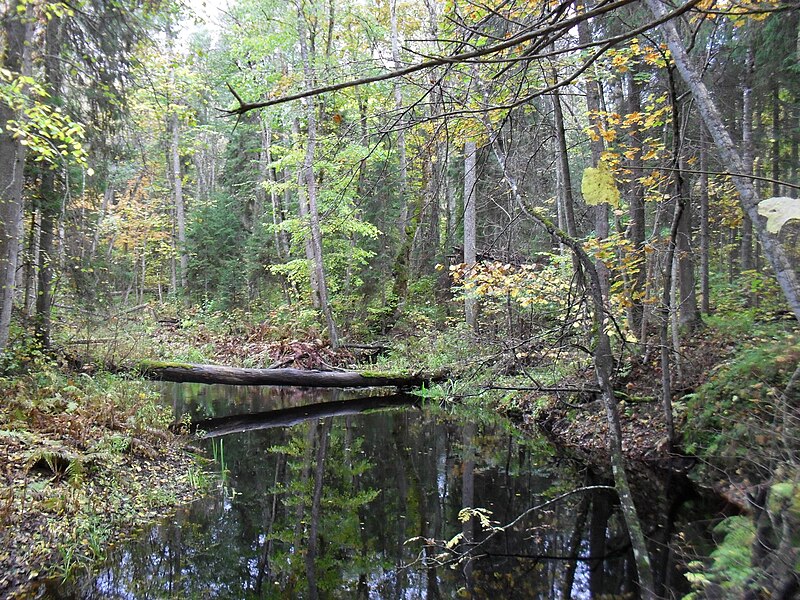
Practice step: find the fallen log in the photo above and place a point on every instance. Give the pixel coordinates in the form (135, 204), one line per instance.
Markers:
(194, 373)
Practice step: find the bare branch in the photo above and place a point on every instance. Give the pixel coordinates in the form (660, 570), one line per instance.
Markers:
(439, 61)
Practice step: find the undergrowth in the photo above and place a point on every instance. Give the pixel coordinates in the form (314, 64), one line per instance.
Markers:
(86, 459)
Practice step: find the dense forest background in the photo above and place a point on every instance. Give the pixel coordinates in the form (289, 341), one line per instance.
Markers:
(137, 168)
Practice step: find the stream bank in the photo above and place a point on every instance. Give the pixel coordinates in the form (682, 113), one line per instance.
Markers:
(86, 461)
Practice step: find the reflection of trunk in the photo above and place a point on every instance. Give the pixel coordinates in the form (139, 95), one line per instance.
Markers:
(308, 455)
(264, 569)
(287, 417)
(418, 500)
(601, 513)
(468, 498)
(574, 547)
(323, 430)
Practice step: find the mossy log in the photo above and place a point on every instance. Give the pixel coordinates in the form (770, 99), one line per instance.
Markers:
(194, 373)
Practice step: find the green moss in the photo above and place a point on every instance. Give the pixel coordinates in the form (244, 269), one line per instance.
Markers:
(151, 365)
(733, 413)
(385, 374)
(785, 496)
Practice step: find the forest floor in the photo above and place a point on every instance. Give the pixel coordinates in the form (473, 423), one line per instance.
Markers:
(726, 408)
(85, 462)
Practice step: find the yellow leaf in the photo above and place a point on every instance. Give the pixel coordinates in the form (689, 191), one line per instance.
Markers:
(598, 186)
(649, 154)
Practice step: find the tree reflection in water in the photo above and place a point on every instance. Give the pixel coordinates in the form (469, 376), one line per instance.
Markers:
(359, 506)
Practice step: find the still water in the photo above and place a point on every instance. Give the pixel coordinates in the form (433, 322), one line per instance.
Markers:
(364, 499)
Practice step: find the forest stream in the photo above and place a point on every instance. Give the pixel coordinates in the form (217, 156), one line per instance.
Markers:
(357, 498)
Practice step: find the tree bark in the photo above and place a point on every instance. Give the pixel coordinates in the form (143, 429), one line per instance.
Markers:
(704, 232)
(50, 205)
(177, 190)
(401, 133)
(470, 212)
(732, 160)
(195, 373)
(17, 25)
(593, 105)
(637, 216)
(746, 248)
(49, 196)
(311, 185)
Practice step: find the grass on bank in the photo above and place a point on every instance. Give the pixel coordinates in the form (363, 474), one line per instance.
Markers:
(85, 461)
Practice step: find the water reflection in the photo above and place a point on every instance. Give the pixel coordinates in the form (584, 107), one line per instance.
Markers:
(342, 507)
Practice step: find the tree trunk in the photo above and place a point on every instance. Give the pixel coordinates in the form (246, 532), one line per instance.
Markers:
(311, 184)
(17, 26)
(177, 190)
(32, 261)
(746, 248)
(49, 196)
(401, 133)
(50, 205)
(470, 212)
(784, 272)
(303, 211)
(268, 176)
(593, 105)
(566, 201)
(689, 313)
(704, 233)
(637, 216)
(776, 140)
(193, 373)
